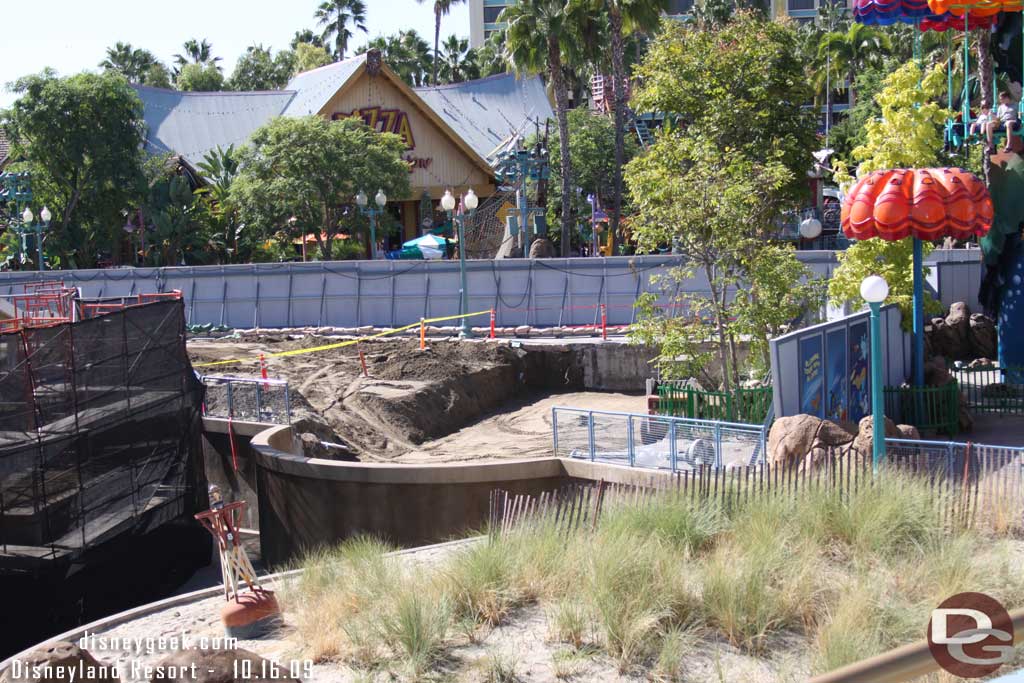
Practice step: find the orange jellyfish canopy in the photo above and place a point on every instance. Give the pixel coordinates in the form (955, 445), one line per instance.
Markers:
(977, 8)
(927, 203)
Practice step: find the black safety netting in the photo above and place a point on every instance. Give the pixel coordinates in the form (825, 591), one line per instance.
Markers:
(98, 427)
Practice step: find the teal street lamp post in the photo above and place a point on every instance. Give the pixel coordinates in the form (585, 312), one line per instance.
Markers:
(874, 290)
(380, 200)
(30, 225)
(470, 201)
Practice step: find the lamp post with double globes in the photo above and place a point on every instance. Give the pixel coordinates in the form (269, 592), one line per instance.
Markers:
(27, 218)
(874, 290)
(470, 201)
(363, 203)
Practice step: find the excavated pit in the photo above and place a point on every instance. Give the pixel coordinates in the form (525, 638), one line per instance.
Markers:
(411, 397)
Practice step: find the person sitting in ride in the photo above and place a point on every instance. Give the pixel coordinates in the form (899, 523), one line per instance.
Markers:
(981, 122)
(1006, 116)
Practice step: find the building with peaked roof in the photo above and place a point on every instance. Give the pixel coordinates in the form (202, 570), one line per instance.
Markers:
(449, 132)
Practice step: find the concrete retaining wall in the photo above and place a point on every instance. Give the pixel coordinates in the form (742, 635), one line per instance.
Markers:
(307, 502)
(538, 292)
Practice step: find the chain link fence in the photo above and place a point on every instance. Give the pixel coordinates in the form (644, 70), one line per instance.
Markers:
(247, 399)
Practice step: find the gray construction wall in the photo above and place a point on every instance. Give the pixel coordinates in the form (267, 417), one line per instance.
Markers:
(538, 292)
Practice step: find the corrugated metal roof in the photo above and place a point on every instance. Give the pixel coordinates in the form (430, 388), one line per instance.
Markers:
(314, 89)
(190, 124)
(487, 112)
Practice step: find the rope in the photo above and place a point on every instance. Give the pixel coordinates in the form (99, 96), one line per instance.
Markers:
(350, 342)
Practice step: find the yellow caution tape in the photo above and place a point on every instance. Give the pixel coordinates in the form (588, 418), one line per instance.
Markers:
(338, 345)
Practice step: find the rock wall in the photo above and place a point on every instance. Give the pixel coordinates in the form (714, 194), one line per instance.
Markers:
(961, 335)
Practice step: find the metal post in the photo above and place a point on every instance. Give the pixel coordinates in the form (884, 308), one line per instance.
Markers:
(629, 440)
(918, 313)
(672, 451)
(287, 404)
(39, 246)
(231, 405)
(464, 331)
(259, 403)
(718, 444)
(554, 430)
(590, 432)
(373, 232)
(877, 404)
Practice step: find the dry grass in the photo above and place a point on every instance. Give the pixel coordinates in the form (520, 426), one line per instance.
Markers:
(657, 587)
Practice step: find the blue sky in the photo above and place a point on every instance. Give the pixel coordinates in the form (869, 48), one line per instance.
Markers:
(72, 35)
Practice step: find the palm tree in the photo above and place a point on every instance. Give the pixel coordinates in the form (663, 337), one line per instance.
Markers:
(850, 51)
(625, 17)
(441, 8)
(337, 16)
(131, 62)
(458, 61)
(537, 34)
(197, 52)
(308, 37)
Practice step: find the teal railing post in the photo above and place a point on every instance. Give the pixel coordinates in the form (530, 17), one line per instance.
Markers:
(672, 454)
(590, 433)
(554, 430)
(877, 401)
(629, 439)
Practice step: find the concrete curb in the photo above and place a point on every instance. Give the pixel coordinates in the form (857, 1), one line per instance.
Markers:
(107, 623)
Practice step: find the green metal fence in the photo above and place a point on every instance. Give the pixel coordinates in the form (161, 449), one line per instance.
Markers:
(991, 389)
(744, 405)
(930, 409)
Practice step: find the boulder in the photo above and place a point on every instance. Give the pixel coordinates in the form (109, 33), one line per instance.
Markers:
(983, 336)
(935, 372)
(219, 666)
(542, 248)
(959, 323)
(793, 438)
(863, 443)
(62, 662)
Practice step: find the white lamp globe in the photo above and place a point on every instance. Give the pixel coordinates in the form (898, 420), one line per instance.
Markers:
(448, 201)
(471, 200)
(45, 215)
(874, 289)
(361, 198)
(810, 228)
(381, 198)
(27, 215)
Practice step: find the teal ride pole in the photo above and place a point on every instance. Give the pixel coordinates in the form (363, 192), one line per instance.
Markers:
(918, 313)
(877, 397)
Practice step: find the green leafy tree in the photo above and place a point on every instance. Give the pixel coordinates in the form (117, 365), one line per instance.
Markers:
(441, 9)
(81, 138)
(717, 209)
(338, 19)
(308, 37)
(259, 69)
(309, 57)
(908, 134)
(458, 61)
(297, 172)
(592, 152)
(537, 35)
(137, 65)
(175, 233)
(490, 57)
(235, 243)
(624, 17)
(741, 87)
(197, 52)
(407, 54)
(200, 78)
(844, 54)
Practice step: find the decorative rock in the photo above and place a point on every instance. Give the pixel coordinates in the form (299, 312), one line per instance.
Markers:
(251, 615)
(983, 336)
(793, 438)
(220, 666)
(62, 662)
(865, 439)
(542, 248)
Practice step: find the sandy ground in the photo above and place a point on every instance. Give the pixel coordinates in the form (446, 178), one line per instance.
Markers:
(522, 644)
(521, 430)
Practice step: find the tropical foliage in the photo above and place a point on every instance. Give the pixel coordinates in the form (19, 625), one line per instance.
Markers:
(259, 69)
(339, 18)
(299, 176)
